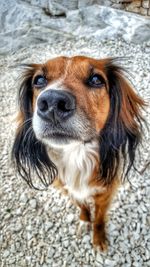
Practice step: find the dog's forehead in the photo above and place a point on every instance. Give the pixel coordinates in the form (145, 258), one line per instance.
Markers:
(72, 65)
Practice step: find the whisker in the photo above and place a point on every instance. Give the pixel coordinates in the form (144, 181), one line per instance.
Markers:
(27, 132)
(24, 123)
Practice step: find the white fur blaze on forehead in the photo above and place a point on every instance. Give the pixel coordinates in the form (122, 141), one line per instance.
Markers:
(57, 85)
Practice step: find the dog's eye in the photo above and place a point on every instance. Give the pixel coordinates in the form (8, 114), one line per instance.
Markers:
(39, 81)
(96, 81)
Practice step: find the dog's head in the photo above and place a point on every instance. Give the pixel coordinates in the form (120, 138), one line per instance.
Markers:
(76, 99)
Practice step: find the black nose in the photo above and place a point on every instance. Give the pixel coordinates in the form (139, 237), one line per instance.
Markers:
(56, 105)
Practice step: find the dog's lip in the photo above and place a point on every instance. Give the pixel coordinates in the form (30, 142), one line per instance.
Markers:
(58, 135)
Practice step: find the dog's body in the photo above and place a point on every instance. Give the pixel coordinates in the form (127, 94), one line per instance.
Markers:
(78, 178)
(79, 119)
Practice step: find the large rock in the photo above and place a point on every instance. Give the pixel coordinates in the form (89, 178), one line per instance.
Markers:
(106, 23)
(30, 22)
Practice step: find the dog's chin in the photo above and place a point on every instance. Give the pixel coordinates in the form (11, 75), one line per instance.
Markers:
(54, 135)
(57, 139)
(55, 143)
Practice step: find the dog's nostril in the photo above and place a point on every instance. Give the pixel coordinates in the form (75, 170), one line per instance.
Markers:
(43, 105)
(62, 106)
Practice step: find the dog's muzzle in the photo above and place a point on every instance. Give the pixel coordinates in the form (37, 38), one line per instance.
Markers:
(56, 105)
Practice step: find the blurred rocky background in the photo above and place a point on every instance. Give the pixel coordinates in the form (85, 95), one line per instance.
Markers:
(25, 22)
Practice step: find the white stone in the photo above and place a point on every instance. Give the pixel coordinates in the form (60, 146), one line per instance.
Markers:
(8, 216)
(29, 236)
(13, 248)
(12, 260)
(55, 209)
(1, 239)
(70, 218)
(24, 198)
(33, 203)
(50, 252)
(45, 265)
(86, 239)
(66, 243)
(72, 231)
(18, 227)
(112, 227)
(110, 263)
(99, 258)
(48, 226)
(19, 211)
(6, 253)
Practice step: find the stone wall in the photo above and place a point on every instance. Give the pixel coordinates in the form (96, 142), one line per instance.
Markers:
(137, 6)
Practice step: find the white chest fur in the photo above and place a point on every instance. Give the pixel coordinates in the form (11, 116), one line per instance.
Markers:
(76, 163)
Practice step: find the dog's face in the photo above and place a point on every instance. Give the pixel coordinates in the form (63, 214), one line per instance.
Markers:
(76, 99)
(70, 100)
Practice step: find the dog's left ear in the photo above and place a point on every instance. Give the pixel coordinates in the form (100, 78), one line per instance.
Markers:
(122, 132)
(28, 153)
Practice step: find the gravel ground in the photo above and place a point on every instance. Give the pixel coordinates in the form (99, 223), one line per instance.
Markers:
(39, 228)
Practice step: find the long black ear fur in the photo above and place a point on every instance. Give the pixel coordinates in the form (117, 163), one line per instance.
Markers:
(30, 155)
(122, 132)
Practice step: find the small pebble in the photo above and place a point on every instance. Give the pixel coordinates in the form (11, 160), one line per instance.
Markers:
(24, 198)
(18, 227)
(110, 263)
(6, 253)
(86, 239)
(70, 218)
(33, 203)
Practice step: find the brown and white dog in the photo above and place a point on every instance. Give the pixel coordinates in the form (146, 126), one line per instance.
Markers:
(79, 121)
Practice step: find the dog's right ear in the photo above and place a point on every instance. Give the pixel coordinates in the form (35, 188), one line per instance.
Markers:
(28, 153)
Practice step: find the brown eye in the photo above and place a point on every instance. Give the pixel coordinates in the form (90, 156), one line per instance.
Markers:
(96, 81)
(39, 81)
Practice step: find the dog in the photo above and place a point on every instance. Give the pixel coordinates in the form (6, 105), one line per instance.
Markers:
(79, 122)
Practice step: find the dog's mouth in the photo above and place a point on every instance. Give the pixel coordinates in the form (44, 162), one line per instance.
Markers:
(56, 134)
(62, 133)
